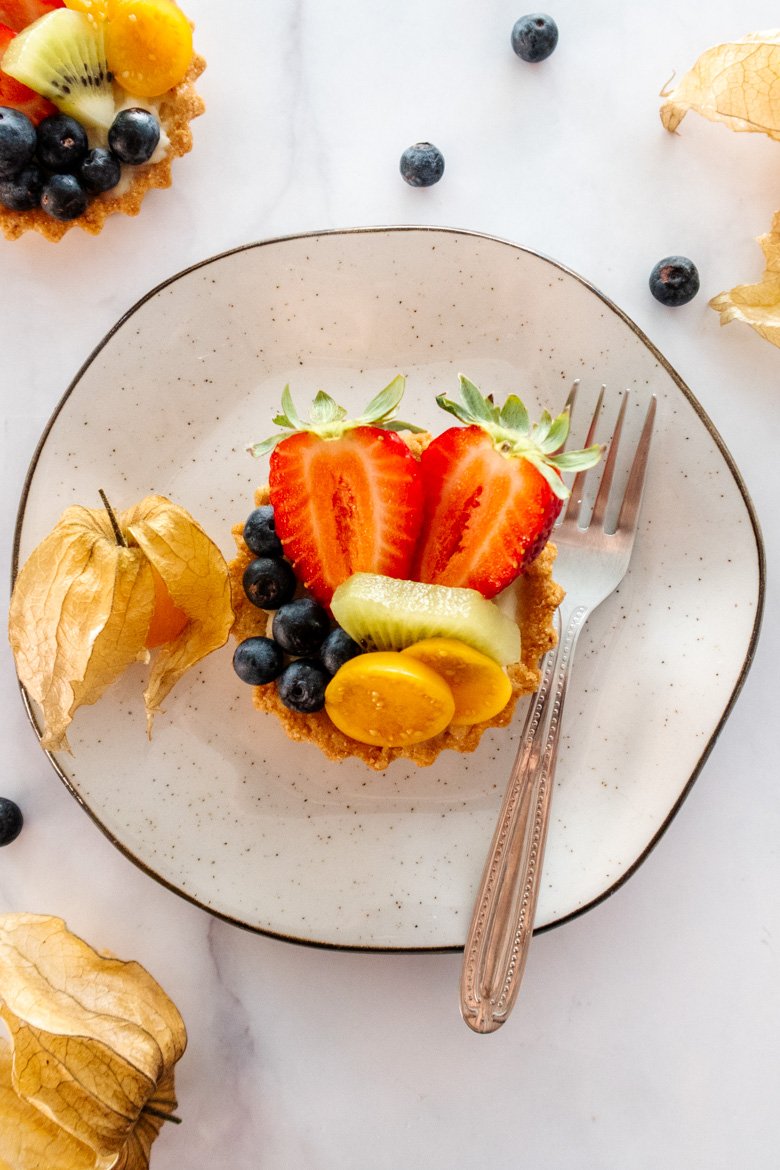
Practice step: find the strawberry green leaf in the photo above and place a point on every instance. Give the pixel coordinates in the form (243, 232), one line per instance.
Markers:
(515, 436)
(264, 446)
(476, 403)
(385, 403)
(325, 410)
(557, 433)
(329, 420)
(288, 410)
(460, 412)
(514, 415)
(576, 460)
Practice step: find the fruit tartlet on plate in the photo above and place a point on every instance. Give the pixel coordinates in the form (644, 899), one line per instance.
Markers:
(96, 100)
(393, 591)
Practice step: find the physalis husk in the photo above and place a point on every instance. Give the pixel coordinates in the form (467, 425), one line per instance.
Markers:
(87, 1081)
(738, 83)
(734, 83)
(84, 602)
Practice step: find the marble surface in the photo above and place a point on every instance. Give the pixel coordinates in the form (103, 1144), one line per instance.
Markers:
(645, 1033)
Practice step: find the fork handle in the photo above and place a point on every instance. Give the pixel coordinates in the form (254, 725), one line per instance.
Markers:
(502, 923)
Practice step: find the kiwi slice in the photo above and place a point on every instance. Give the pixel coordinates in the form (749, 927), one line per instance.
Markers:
(382, 613)
(62, 56)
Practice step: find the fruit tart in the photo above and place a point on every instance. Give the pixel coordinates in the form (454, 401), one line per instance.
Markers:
(394, 591)
(96, 100)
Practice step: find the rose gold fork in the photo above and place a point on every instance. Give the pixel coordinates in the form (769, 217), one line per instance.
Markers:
(593, 557)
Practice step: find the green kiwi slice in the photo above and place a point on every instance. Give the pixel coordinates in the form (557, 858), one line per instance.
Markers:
(62, 56)
(382, 613)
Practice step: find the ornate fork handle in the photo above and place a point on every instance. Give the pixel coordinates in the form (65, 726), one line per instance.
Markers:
(502, 924)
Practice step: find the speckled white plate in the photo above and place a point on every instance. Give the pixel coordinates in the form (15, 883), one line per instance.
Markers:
(220, 806)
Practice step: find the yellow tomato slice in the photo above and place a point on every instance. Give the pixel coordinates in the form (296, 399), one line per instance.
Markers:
(479, 686)
(148, 45)
(168, 620)
(388, 699)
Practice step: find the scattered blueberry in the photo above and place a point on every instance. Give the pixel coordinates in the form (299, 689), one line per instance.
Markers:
(17, 141)
(301, 685)
(134, 135)
(337, 649)
(674, 281)
(64, 198)
(269, 582)
(258, 661)
(534, 36)
(22, 191)
(100, 170)
(301, 626)
(422, 165)
(62, 143)
(11, 820)
(260, 533)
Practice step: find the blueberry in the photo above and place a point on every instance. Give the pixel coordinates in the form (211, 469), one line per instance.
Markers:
(11, 820)
(62, 143)
(269, 582)
(534, 36)
(63, 197)
(301, 685)
(422, 165)
(337, 649)
(674, 281)
(100, 170)
(258, 661)
(134, 135)
(260, 533)
(17, 141)
(22, 192)
(301, 626)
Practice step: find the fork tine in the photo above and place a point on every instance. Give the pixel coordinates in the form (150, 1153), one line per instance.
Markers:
(629, 509)
(571, 397)
(600, 505)
(578, 486)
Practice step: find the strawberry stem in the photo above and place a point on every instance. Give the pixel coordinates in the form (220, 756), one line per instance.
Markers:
(114, 522)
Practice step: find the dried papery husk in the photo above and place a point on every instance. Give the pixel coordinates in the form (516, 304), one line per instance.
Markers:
(95, 1041)
(757, 305)
(735, 83)
(196, 577)
(78, 618)
(83, 602)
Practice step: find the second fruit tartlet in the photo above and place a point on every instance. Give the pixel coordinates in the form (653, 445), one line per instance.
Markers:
(96, 101)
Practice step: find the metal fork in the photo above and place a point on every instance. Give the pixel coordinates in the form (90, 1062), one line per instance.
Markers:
(592, 561)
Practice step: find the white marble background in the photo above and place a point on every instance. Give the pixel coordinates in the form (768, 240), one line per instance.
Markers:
(646, 1031)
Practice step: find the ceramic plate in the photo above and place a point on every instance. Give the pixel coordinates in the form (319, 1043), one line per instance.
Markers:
(220, 806)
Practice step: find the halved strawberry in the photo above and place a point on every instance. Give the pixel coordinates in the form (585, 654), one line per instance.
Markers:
(493, 491)
(17, 14)
(13, 93)
(346, 493)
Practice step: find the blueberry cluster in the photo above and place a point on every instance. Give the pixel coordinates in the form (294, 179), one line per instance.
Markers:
(305, 650)
(54, 168)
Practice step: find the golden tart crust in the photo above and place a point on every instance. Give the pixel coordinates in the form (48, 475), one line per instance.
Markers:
(538, 597)
(177, 109)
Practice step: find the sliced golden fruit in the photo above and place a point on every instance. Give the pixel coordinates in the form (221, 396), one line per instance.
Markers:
(96, 10)
(389, 699)
(168, 620)
(148, 44)
(479, 686)
(382, 613)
